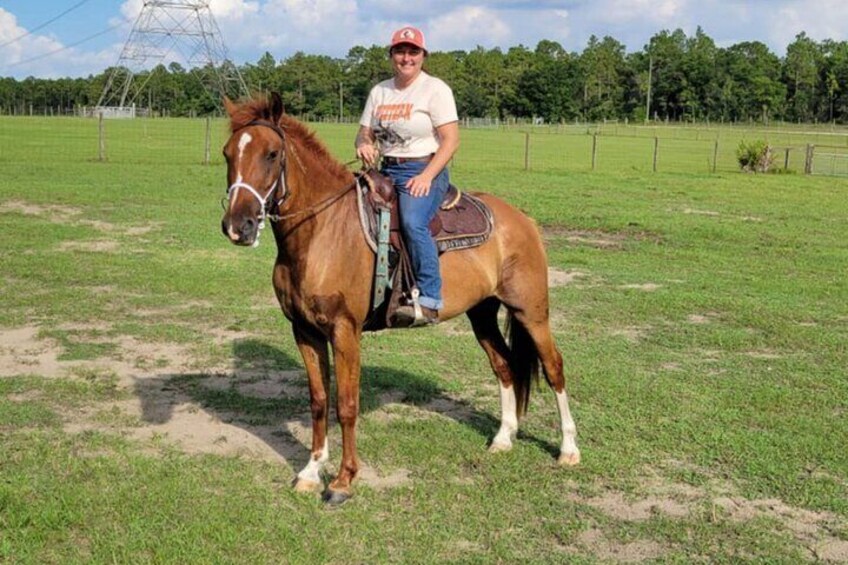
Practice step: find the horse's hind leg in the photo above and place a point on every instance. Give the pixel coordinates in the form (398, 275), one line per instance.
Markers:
(484, 321)
(537, 324)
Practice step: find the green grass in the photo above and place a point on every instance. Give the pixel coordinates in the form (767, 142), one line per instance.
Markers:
(704, 341)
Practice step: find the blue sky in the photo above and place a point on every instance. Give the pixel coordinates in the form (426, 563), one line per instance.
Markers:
(331, 27)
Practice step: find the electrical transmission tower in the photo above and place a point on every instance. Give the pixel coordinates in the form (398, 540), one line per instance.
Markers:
(182, 31)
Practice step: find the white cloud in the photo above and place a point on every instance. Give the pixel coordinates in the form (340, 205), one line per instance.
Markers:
(312, 26)
(466, 27)
(233, 9)
(42, 55)
(662, 12)
(827, 21)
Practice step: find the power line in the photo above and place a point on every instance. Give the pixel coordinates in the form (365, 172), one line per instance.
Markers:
(66, 47)
(45, 24)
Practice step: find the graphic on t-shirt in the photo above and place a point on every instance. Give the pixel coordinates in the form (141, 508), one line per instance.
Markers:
(393, 112)
(388, 137)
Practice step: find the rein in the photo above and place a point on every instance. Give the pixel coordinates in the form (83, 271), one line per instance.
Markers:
(315, 208)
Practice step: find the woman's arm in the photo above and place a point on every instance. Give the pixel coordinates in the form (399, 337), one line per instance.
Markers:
(448, 144)
(365, 148)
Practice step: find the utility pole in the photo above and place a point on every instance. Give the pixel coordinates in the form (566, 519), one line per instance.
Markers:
(341, 101)
(650, 84)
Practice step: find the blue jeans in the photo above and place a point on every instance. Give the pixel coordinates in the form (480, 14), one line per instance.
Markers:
(415, 216)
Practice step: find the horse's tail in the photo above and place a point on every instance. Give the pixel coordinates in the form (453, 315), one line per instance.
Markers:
(524, 361)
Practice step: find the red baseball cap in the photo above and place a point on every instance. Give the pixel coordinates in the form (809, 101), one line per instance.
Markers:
(410, 35)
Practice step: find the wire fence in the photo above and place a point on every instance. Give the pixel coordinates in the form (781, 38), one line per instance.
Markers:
(554, 149)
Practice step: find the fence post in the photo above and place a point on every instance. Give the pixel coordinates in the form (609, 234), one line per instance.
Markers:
(207, 150)
(526, 151)
(594, 150)
(808, 163)
(786, 160)
(715, 155)
(101, 137)
(656, 151)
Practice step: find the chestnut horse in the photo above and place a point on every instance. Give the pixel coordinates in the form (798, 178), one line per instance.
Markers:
(323, 277)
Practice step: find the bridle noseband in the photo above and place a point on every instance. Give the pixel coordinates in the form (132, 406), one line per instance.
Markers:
(264, 202)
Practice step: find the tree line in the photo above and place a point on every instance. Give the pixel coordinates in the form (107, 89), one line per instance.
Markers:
(674, 77)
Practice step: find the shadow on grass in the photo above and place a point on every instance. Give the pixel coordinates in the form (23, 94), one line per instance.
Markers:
(266, 394)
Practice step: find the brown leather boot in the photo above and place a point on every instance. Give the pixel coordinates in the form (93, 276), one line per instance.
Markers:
(404, 317)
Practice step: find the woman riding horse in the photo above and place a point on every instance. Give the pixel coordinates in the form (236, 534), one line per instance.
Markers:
(323, 276)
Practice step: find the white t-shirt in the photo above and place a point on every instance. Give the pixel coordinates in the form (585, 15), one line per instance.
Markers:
(405, 120)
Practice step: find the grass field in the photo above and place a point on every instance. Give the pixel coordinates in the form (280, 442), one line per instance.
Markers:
(153, 406)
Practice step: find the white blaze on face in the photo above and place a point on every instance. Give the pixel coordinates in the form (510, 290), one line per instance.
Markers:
(243, 141)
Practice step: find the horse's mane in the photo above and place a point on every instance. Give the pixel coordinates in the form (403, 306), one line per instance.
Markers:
(259, 108)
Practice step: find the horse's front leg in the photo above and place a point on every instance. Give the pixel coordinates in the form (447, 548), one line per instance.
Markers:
(316, 359)
(346, 355)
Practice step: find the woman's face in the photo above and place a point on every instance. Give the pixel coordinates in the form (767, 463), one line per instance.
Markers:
(407, 61)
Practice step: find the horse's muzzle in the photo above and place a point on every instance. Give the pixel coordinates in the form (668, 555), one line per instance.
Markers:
(241, 233)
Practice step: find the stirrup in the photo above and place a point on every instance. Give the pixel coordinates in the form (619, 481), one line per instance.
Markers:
(412, 315)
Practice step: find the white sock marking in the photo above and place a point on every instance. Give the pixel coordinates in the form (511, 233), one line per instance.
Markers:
(569, 430)
(509, 418)
(312, 471)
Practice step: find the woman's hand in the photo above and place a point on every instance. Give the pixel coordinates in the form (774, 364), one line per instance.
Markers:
(367, 153)
(419, 185)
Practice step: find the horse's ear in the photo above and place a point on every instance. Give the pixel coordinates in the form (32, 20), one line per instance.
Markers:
(276, 107)
(229, 106)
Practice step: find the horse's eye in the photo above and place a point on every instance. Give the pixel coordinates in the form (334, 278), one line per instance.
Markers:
(272, 155)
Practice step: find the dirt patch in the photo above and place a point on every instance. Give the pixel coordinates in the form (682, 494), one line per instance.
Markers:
(22, 352)
(557, 277)
(646, 287)
(60, 214)
(397, 478)
(616, 506)
(632, 334)
(719, 499)
(594, 541)
(701, 212)
(833, 550)
(599, 239)
(29, 209)
(142, 229)
(93, 246)
(812, 529)
(763, 354)
(275, 384)
(162, 414)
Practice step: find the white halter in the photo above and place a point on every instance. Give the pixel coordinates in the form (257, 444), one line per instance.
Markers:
(264, 202)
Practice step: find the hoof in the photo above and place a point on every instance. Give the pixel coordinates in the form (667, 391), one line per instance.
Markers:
(500, 447)
(569, 459)
(335, 497)
(306, 487)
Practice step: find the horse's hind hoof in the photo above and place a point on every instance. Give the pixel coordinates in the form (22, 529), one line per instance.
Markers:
(500, 447)
(306, 487)
(569, 459)
(335, 497)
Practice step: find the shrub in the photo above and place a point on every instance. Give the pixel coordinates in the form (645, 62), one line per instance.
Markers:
(755, 156)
